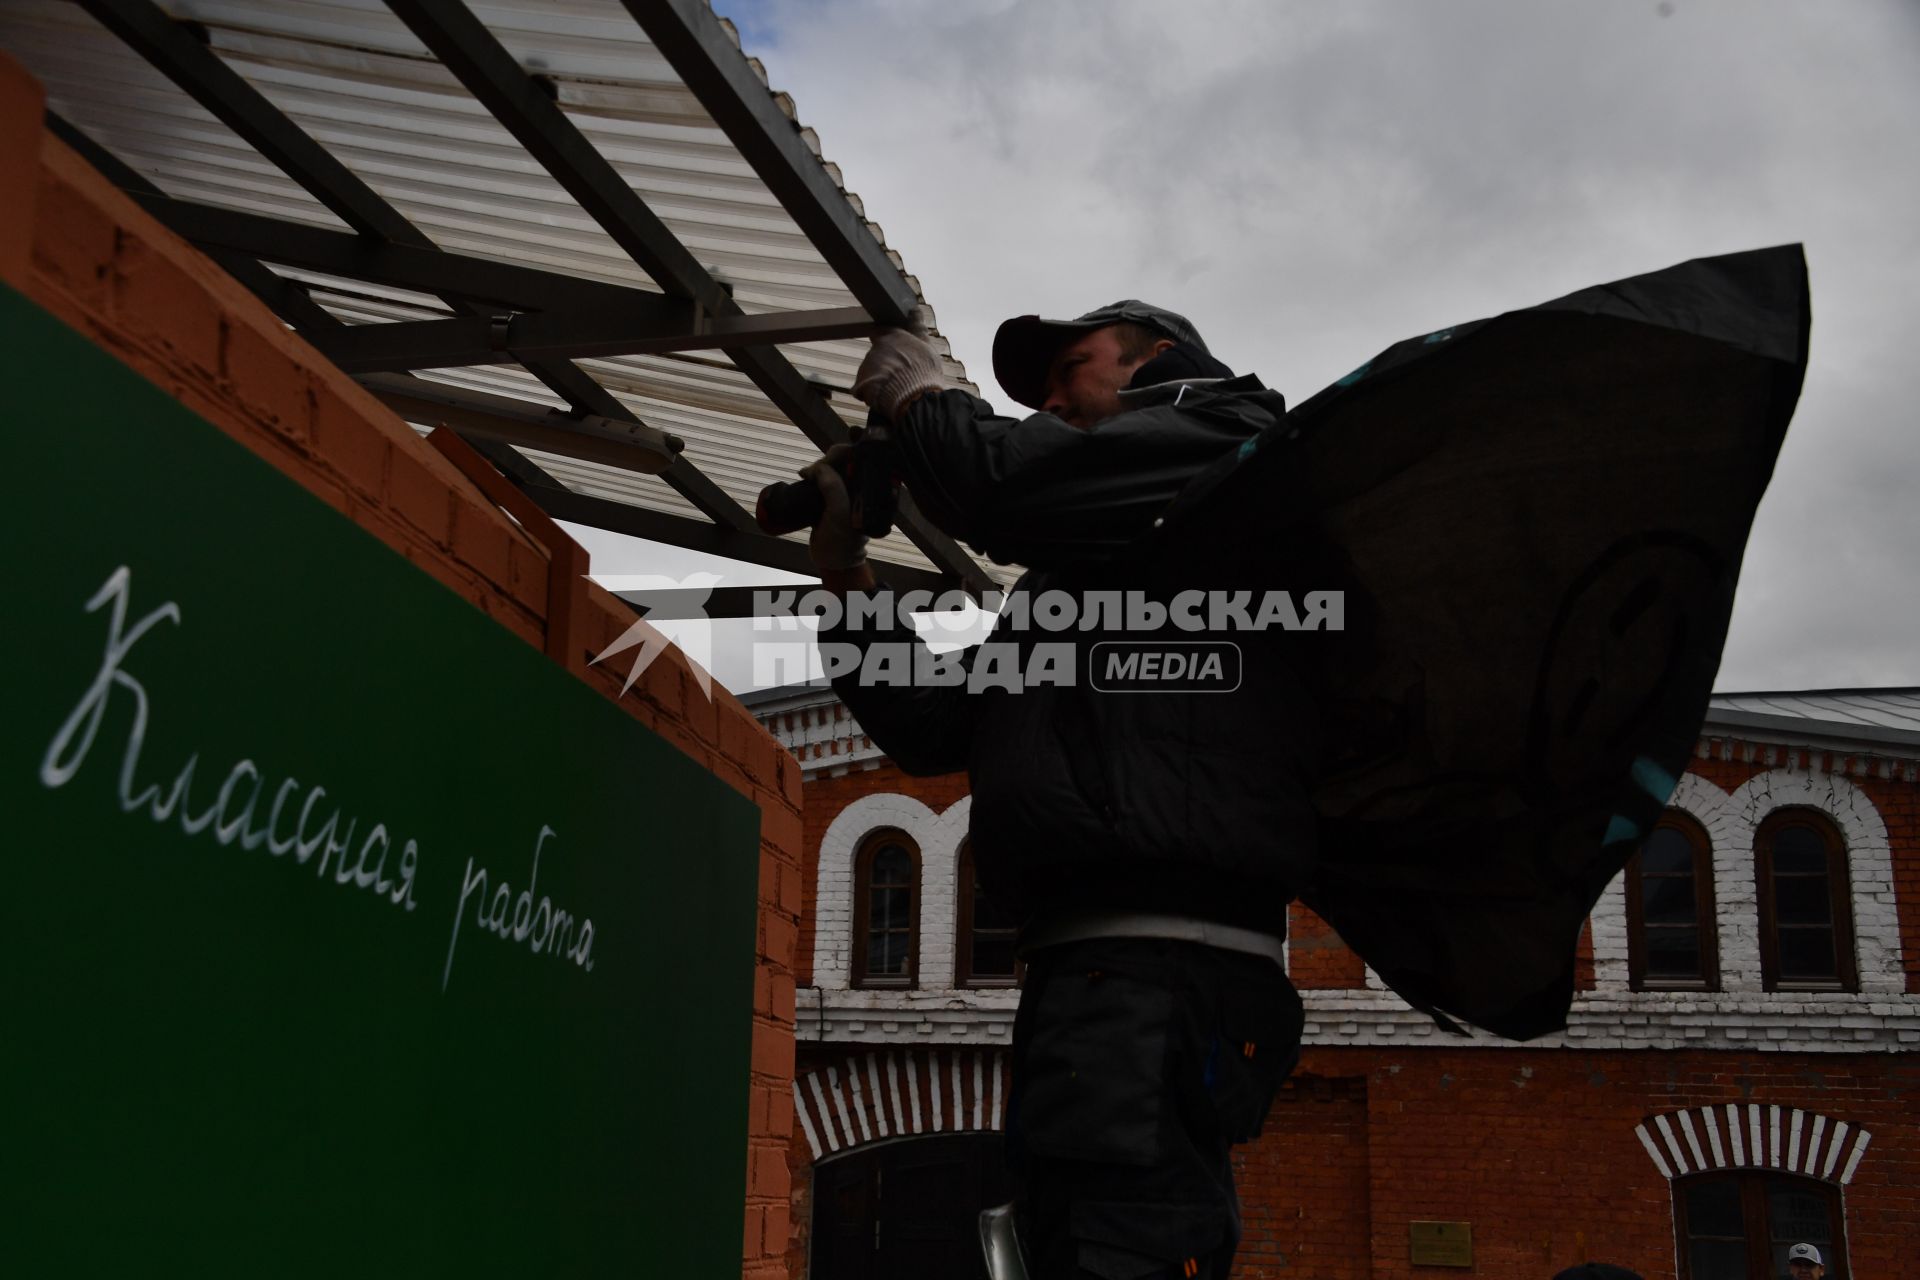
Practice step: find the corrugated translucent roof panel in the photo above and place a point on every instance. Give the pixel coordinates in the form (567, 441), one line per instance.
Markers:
(1894, 708)
(351, 75)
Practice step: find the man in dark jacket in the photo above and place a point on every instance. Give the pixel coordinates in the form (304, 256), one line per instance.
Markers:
(1149, 841)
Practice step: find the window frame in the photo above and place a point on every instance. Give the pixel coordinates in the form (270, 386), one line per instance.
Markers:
(1752, 1184)
(965, 886)
(870, 846)
(1706, 919)
(1839, 895)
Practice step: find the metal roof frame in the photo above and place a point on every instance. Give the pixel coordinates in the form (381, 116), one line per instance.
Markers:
(510, 313)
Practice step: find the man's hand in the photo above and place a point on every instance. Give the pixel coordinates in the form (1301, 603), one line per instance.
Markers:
(835, 543)
(900, 368)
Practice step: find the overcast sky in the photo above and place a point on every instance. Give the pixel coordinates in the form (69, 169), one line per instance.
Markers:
(1311, 182)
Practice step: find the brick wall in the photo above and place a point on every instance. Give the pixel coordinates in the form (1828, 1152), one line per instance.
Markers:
(1536, 1148)
(79, 248)
(1538, 1152)
(1319, 960)
(1304, 1186)
(1315, 955)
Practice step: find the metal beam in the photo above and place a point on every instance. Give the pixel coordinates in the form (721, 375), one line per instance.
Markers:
(713, 67)
(493, 76)
(491, 422)
(288, 300)
(753, 547)
(494, 424)
(423, 269)
(728, 602)
(571, 383)
(627, 445)
(176, 52)
(399, 346)
(472, 53)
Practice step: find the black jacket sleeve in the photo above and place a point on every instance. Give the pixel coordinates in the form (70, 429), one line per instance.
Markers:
(1045, 494)
(926, 729)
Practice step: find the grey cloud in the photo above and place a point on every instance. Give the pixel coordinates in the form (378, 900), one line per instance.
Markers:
(1312, 182)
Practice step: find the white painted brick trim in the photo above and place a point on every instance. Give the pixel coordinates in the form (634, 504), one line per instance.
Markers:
(1869, 854)
(938, 838)
(1756, 1022)
(1784, 1148)
(1731, 821)
(968, 1082)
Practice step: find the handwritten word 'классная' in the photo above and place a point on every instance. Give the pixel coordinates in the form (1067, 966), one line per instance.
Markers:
(234, 812)
(229, 817)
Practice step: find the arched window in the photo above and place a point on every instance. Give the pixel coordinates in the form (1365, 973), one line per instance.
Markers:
(985, 944)
(1671, 941)
(1806, 917)
(886, 898)
(1738, 1226)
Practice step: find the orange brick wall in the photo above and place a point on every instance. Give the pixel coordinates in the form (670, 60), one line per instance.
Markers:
(1304, 1186)
(1315, 955)
(1537, 1151)
(1535, 1148)
(79, 248)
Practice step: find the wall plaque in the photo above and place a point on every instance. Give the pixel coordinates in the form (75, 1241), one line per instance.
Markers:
(1441, 1244)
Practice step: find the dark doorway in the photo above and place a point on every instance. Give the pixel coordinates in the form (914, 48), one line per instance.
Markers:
(1738, 1226)
(907, 1208)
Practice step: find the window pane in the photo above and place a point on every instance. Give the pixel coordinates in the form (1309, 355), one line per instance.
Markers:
(1713, 1209)
(992, 956)
(888, 908)
(1667, 850)
(1667, 900)
(1802, 900)
(1807, 953)
(1797, 1213)
(887, 955)
(1799, 849)
(1673, 952)
(892, 865)
(988, 916)
(1718, 1260)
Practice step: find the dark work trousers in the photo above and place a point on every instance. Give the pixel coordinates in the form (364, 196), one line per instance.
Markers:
(1137, 1064)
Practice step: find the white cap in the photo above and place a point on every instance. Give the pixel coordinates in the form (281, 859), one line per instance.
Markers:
(1805, 1252)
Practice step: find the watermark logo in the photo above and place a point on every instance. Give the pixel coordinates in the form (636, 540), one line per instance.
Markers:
(1049, 638)
(784, 609)
(663, 599)
(1193, 666)
(1046, 638)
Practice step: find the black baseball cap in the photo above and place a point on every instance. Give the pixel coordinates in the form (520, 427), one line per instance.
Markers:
(1024, 347)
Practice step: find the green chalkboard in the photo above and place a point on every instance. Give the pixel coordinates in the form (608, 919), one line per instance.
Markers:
(436, 964)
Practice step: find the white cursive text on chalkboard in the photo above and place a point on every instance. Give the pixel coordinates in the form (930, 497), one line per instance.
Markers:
(543, 926)
(280, 834)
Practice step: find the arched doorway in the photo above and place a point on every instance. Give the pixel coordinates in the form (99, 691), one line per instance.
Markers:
(908, 1207)
(1736, 1225)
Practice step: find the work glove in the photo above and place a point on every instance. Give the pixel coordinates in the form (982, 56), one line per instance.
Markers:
(900, 366)
(835, 543)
